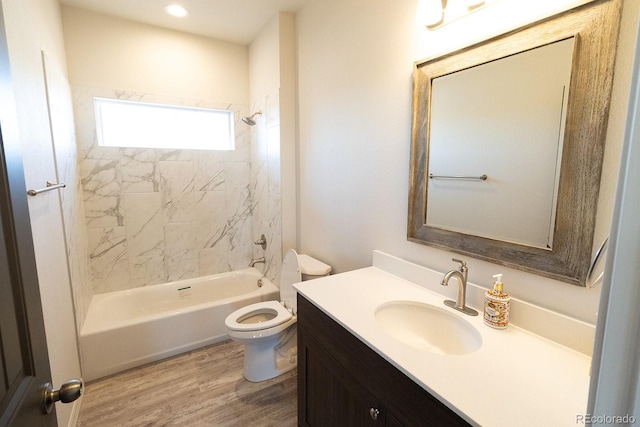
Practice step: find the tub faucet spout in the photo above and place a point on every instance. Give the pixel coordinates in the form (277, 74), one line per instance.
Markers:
(461, 275)
(260, 260)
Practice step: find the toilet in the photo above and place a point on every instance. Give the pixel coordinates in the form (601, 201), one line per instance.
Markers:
(268, 329)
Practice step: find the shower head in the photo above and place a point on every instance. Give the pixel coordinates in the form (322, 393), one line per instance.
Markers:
(249, 120)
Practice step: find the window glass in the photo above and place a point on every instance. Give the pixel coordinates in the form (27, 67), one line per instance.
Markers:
(145, 125)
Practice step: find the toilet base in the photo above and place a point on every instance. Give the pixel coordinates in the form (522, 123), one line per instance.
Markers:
(266, 359)
(257, 372)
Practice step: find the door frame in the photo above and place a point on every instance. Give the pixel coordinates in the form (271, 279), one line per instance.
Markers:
(615, 379)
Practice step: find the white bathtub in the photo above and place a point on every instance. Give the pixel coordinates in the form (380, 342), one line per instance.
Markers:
(129, 328)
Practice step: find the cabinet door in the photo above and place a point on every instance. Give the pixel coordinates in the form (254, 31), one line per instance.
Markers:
(328, 394)
(340, 380)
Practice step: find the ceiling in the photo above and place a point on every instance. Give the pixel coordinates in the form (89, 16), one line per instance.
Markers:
(237, 21)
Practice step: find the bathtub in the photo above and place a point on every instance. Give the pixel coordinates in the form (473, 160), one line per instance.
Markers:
(124, 329)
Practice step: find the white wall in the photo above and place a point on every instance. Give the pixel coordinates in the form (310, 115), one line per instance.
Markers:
(108, 52)
(355, 65)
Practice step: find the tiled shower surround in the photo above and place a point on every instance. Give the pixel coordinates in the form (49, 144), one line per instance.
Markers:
(155, 216)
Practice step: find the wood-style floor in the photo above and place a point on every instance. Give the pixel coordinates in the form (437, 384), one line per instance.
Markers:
(202, 388)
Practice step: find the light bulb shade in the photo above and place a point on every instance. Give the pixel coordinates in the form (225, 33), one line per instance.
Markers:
(176, 10)
(472, 4)
(429, 12)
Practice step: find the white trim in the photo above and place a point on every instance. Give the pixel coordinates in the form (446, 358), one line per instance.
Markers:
(75, 411)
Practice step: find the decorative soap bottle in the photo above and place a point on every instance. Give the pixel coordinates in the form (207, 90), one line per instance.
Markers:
(496, 305)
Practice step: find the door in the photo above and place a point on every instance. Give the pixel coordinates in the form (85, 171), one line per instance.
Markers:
(24, 363)
(331, 395)
(23, 351)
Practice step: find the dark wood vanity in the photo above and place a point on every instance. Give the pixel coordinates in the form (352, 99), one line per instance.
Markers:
(343, 382)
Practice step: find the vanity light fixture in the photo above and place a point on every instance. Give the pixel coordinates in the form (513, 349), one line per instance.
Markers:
(433, 13)
(430, 12)
(472, 4)
(176, 10)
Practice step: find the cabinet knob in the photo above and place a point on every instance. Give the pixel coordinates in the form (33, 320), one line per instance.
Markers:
(374, 413)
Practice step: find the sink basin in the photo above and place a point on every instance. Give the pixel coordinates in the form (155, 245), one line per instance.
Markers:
(427, 327)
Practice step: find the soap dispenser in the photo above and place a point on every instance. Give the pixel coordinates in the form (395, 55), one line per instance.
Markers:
(496, 305)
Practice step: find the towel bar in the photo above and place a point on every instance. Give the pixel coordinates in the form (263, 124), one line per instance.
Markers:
(50, 186)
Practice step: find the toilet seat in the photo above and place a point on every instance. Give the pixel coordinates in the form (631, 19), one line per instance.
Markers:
(280, 315)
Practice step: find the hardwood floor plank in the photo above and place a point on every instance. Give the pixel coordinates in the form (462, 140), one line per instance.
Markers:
(204, 387)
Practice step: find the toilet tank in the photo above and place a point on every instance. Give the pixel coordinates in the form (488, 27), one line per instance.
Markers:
(295, 268)
(311, 268)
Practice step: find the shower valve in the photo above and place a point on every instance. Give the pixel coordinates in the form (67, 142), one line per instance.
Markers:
(262, 241)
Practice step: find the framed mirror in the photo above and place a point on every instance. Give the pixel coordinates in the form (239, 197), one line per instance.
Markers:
(507, 143)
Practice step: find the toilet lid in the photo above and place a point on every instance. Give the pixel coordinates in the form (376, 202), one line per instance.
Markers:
(312, 266)
(289, 275)
(258, 316)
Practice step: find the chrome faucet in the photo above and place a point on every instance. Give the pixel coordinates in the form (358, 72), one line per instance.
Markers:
(461, 275)
(260, 260)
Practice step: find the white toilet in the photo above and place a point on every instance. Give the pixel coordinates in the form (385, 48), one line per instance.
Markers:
(268, 329)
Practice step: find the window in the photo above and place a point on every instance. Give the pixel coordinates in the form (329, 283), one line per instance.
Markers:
(144, 125)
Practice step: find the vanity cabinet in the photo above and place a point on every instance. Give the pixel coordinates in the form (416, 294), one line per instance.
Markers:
(343, 382)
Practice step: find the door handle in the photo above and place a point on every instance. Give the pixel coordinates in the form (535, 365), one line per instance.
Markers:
(70, 391)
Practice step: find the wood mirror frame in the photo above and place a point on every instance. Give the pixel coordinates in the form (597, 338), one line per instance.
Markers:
(595, 26)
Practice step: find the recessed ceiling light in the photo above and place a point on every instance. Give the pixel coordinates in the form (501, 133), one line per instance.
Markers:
(176, 10)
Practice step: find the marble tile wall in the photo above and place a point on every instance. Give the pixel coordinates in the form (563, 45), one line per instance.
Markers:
(66, 159)
(265, 184)
(154, 216)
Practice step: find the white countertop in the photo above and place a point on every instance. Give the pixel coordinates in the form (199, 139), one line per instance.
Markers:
(516, 378)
